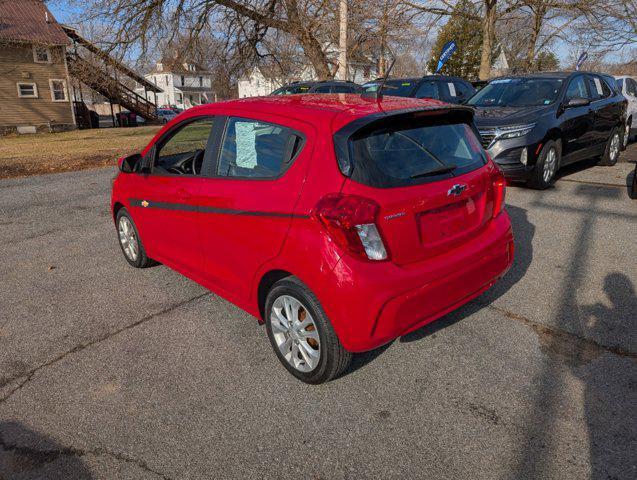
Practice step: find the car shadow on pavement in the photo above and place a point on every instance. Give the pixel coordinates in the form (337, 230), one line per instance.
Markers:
(523, 231)
(25, 454)
(588, 348)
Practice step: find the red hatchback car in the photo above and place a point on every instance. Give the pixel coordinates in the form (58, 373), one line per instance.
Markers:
(339, 221)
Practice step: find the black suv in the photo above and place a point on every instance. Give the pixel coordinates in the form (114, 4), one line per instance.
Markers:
(327, 86)
(440, 87)
(532, 125)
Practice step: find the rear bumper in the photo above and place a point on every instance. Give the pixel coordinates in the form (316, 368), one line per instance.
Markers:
(378, 302)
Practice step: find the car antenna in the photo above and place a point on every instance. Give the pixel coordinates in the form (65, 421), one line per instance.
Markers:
(378, 93)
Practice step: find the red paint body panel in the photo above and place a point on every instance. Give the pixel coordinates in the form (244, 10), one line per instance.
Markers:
(443, 252)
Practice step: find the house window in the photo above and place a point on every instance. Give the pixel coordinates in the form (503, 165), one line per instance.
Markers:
(201, 81)
(41, 54)
(183, 81)
(27, 90)
(58, 90)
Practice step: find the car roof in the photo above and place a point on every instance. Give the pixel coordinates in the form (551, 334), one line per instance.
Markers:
(418, 79)
(335, 109)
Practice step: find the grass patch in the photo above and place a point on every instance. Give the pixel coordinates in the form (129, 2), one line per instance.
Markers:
(22, 155)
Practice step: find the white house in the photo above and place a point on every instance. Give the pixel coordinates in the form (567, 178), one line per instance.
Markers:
(184, 85)
(261, 81)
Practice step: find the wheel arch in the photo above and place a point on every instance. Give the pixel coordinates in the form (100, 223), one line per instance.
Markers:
(117, 206)
(268, 279)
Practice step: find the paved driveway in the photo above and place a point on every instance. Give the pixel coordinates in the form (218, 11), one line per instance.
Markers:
(110, 372)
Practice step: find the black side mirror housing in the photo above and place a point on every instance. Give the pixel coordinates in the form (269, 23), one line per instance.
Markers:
(577, 102)
(131, 164)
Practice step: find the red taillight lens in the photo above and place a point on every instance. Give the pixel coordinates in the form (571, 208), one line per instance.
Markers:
(499, 188)
(351, 222)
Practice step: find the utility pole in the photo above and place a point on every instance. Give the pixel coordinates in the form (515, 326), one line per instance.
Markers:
(342, 56)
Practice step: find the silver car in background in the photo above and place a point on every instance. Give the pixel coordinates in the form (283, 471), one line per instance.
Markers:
(628, 87)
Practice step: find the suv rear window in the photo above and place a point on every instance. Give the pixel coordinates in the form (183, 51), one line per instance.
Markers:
(411, 152)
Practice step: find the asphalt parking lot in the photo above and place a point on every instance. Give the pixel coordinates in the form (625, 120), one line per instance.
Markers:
(110, 372)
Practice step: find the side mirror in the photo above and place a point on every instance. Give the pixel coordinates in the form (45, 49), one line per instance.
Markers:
(130, 164)
(577, 102)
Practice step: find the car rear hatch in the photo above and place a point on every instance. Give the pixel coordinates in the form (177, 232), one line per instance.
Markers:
(430, 177)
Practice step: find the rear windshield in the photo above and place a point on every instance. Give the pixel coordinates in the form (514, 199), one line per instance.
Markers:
(407, 153)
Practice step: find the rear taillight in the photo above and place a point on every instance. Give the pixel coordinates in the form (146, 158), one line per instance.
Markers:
(499, 188)
(351, 222)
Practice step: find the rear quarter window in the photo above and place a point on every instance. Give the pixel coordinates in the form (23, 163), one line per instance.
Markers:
(406, 153)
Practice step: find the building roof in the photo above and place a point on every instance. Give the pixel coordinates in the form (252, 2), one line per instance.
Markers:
(29, 21)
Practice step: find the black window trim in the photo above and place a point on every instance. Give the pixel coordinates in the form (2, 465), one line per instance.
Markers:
(153, 153)
(221, 139)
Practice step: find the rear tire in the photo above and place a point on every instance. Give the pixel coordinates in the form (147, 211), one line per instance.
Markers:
(613, 148)
(130, 242)
(626, 135)
(333, 359)
(546, 166)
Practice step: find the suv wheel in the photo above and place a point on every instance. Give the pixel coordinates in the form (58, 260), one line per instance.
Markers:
(546, 167)
(301, 334)
(130, 242)
(613, 147)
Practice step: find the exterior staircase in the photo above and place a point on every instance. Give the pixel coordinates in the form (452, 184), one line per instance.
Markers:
(110, 87)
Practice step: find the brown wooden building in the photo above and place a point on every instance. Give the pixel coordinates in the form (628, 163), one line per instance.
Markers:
(34, 79)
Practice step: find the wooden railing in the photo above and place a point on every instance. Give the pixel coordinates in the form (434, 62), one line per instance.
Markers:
(105, 84)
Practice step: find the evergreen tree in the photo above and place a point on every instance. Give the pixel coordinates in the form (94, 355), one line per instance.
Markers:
(546, 61)
(465, 29)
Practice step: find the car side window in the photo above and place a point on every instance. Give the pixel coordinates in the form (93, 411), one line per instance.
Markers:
(598, 87)
(428, 89)
(342, 89)
(576, 89)
(631, 87)
(182, 152)
(322, 89)
(256, 149)
(462, 89)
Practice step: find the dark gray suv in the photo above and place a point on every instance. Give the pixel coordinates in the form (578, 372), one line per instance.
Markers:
(531, 125)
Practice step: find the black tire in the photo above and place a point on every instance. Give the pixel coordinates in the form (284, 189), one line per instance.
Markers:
(334, 359)
(609, 159)
(537, 179)
(142, 260)
(632, 193)
(626, 133)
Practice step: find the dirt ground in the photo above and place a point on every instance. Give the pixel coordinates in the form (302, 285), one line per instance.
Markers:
(22, 155)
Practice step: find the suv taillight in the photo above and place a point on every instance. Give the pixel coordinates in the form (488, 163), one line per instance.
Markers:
(351, 222)
(499, 188)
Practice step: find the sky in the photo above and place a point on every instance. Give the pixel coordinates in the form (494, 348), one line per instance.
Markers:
(64, 12)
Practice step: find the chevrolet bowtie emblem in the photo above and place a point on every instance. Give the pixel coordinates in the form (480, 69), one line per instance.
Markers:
(144, 203)
(456, 190)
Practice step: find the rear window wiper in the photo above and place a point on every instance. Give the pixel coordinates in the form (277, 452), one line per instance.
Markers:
(434, 171)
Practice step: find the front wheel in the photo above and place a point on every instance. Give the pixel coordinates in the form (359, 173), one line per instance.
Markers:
(129, 241)
(301, 334)
(546, 167)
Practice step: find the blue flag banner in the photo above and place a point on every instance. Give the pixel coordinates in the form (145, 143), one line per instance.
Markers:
(582, 58)
(445, 54)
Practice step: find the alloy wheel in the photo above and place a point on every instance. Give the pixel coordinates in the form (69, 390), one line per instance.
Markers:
(128, 239)
(550, 164)
(614, 147)
(295, 333)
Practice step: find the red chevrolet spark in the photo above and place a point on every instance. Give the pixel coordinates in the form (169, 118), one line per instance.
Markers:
(339, 221)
